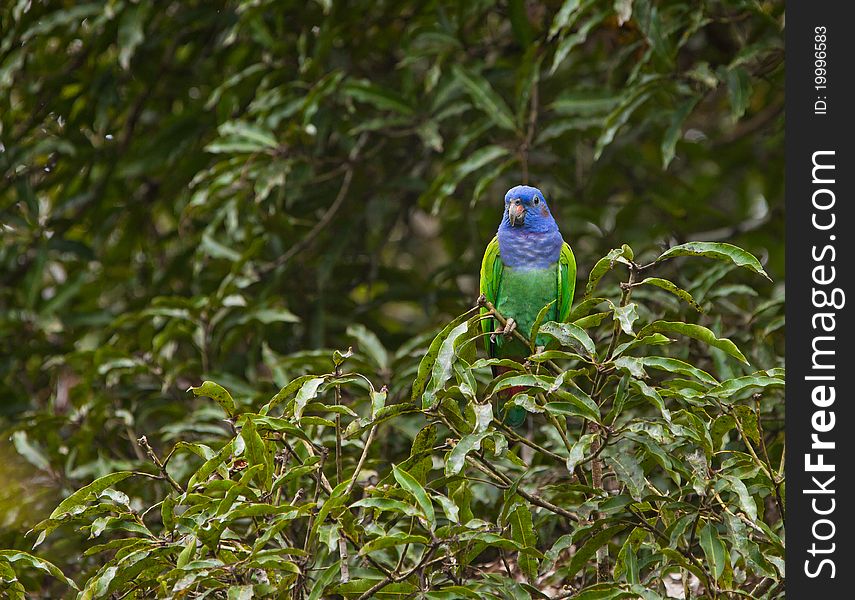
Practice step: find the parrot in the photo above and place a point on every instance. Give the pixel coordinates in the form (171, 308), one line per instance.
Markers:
(526, 266)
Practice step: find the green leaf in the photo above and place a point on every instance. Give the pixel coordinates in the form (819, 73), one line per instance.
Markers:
(714, 550)
(670, 287)
(451, 510)
(739, 91)
(323, 582)
(509, 380)
(485, 97)
(357, 587)
(370, 344)
(746, 502)
(573, 401)
(632, 365)
(697, 332)
(675, 128)
(308, 391)
(558, 354)
(673, 365)
(572, 40)
(591, 320)
(387, 504)
(286, 392)
(625, 316)
(719, 251)
(522, 532)
(435, 366)
(737, 385)
(535, 328)
(187, 553)
(379, 97)
(525, 401)
(240, 592)
(256, 453)
(252, 137)
(34, 562)
(652, 396)
(627, 558)
(656, 339)
(337, 498)
(131, 33)
(209, 466)
(589, 548)
(620, 115)
(565, 17)
(394, 539)
(266, 316)
(623, 255)
(578, 450)
(419, 462)
(217, 393)
(89, 492)
(748, 419)
(409, 483)
(30, 451)
(628, 470)
(567, 334)
(457, 457)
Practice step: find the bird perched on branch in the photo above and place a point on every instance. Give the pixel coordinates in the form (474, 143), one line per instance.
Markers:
(526, 266)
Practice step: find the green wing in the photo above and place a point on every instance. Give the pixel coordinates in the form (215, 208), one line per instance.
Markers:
(566, 281)
(491, 280)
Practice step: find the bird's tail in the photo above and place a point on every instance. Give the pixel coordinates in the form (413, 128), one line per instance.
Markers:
(516, 415)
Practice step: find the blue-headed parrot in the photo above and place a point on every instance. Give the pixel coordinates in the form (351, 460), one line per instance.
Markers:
(526, 266)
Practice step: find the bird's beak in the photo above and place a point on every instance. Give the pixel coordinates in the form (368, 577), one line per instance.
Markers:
(516, 214)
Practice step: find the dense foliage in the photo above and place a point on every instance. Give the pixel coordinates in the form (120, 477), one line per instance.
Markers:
(230, 191)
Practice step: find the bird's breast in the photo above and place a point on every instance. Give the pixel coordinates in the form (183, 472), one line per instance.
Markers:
(529, 250)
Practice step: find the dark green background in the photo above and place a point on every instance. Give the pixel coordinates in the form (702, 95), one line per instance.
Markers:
(161, 163)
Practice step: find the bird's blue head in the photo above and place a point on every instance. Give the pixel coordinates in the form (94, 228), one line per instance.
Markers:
(526, 209)
(528, 236)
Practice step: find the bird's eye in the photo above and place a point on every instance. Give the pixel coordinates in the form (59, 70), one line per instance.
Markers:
(536, 200)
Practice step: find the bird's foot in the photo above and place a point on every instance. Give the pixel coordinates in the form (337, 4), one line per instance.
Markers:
(508, 329)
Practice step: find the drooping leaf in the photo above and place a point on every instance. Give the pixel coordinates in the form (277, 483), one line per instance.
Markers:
(409, 483)
(673, 365)
(670, 287)
(217, 393)
(522, 532)
(569, 334)
(435, 367)
(485, 97)
(590, 547)
(370, 344)
(698, 332)
(714, 549)
(34, 562)
(457, 457)
(89, 492)
(719, 251)
(675, 129)
(388, 541)
(623, 254)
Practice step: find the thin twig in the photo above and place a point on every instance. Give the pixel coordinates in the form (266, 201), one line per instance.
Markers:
(483, 302)
(533, 445)
(327, 217)
(362, 458)
(143, 442)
